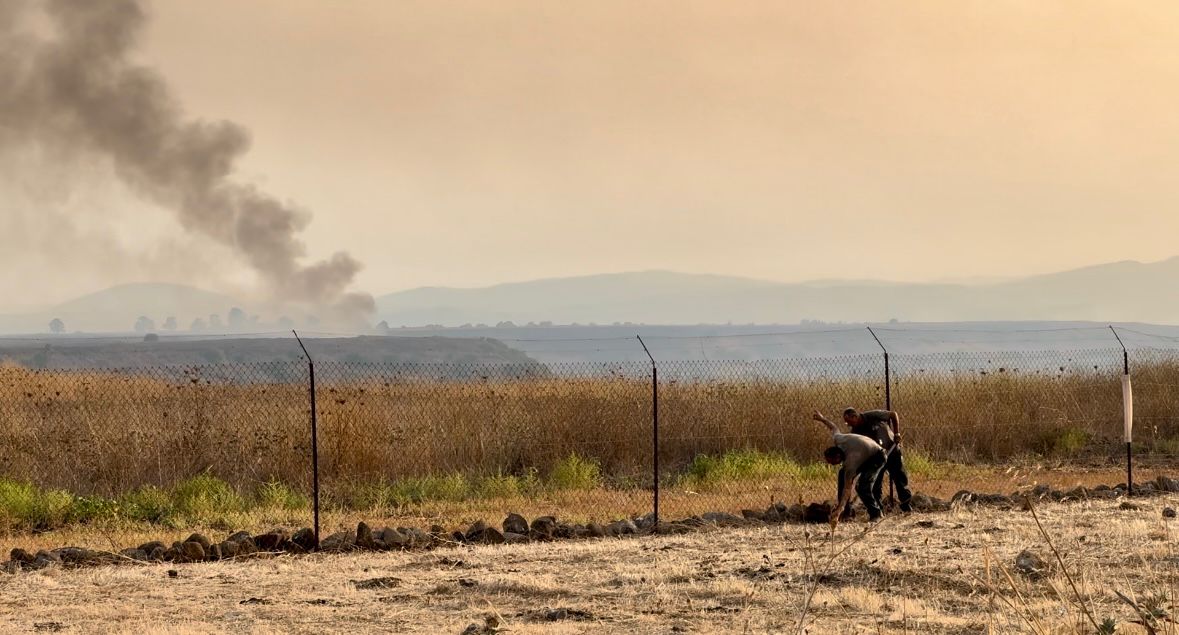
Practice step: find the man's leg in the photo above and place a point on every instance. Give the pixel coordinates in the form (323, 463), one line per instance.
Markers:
(896, 472)
(866, 482)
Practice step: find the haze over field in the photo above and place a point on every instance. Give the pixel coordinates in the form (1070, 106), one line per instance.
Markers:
(467, 144)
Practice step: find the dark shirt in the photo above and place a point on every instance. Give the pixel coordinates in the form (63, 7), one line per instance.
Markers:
(874, 425)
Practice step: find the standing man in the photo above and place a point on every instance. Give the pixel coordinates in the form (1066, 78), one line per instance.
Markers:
(862, 459)
(884, 427)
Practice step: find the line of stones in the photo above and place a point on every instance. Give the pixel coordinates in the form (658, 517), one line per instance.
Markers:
(516, 529)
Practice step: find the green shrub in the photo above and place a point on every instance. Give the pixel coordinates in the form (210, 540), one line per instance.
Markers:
(17, 503)
(1062, 441)
(508, 485)
(575, 473)
(378, 495)
(919, 464)
(204, 496)
(748, 465)
(275, 495)
(148, 504)
(24, 506)
(452, 487)
(88, 509)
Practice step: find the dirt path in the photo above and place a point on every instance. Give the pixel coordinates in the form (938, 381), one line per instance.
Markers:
(923, 573)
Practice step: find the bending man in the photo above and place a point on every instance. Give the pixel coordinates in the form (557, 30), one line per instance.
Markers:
(862, 459)
(883, 427)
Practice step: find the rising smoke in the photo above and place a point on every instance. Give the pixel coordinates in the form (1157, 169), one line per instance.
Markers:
(68, 82)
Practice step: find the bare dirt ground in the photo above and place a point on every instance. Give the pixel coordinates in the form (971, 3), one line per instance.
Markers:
(953, 572)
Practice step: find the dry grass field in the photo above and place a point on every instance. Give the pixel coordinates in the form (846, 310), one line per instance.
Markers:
(229, 445)
(106, 433)
(952, 572)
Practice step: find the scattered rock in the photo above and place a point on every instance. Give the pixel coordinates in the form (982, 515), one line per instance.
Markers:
(543, 528)
(364, 536)
(962, 497)
(515, 524)
(213, 552)
(1031, 564)
(387, 582)
(338, 542)
(48, 627)
(749, 514)
(475, 531)
(271, 541)
(924, 524)
(514, 538)
(817, 513)
(255, 601)
(775, 513)
(150, 547)
(595, 530)
(304, 539)
(467, 582)
(722, 519)
(645, 522)
(21, 556)
(417, 537)
(228, 548)
(1167, 484)
(394, 539)
(547, 614)
(199, 539)
(621, 528)
(489, 536)
(192, 551)
(134, 553)
(1128, 506)
(76, 556)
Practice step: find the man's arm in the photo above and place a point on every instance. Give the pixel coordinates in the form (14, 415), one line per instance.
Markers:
(818, 416)
(849, 486)
(894, 420)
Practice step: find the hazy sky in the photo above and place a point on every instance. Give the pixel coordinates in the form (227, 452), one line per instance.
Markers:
(469, 143)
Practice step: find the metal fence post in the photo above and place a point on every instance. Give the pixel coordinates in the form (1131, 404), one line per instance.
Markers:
(654, 435)
(1127, 412)
(314, 439)
(887, 402)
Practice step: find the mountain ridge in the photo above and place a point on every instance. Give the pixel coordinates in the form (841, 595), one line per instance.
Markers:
(1126, 290)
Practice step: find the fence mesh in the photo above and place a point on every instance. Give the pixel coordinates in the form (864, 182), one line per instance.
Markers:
(111, 430)
(450, 443)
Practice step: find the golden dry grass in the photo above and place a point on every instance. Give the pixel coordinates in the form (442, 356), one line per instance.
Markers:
(107, 433)
(900, 578)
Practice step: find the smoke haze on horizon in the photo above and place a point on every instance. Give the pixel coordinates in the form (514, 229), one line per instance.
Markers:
(469, 143)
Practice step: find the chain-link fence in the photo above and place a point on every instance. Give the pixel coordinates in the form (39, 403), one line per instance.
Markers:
(450, 443)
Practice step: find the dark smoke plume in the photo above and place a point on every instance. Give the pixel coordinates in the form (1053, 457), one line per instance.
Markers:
(72, 86)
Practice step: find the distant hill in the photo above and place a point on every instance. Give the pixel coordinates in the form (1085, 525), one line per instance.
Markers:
(1122, 291)
(116, 309)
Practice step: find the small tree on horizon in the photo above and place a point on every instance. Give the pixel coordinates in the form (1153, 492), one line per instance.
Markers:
(56, 326)
(170, 323)
(236, 319)
(144, 324)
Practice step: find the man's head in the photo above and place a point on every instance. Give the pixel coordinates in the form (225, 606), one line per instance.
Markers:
(833, 455)
(851, 417)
